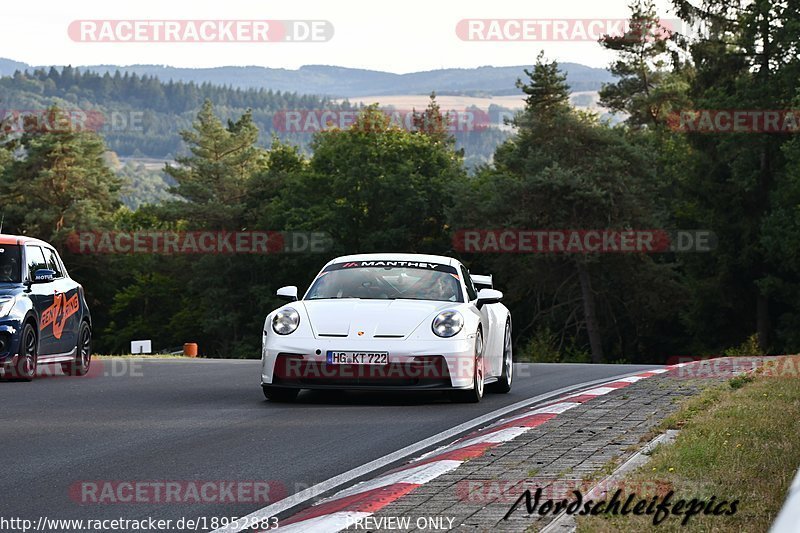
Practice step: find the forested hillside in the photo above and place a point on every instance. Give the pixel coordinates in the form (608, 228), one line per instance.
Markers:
(346, 82)
(372, 186)
(142, 116)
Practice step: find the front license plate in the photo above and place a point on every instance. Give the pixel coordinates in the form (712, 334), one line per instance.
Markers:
(358, 358)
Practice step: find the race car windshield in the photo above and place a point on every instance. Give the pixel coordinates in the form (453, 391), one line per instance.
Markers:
(386, 283)
(9, 264)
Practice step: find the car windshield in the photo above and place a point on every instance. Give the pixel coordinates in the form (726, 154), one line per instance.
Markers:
(9, 263)
(387, 283)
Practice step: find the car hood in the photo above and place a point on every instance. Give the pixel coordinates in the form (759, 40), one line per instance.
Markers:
(387, 318)
(10, 289)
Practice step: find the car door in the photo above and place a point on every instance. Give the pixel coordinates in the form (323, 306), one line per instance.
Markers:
(65, 293)
(42, 296)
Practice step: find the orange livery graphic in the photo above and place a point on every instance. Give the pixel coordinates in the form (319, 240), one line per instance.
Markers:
(58, 313)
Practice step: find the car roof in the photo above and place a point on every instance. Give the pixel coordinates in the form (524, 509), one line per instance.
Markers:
(439, 259)
(21, 239)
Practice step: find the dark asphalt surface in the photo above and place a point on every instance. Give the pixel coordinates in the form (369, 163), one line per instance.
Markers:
(171, 420)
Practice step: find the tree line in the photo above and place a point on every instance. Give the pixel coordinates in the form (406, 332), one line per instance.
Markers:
(375, 187)
(142, 116)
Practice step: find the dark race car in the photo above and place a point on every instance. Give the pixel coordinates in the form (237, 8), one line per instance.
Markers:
(44, 318)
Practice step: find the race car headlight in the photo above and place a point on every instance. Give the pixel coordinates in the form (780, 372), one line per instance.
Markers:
(285, 321)
(447, 323)
(6, 305)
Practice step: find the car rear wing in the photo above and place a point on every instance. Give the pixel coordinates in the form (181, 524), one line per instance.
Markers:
(482, 282)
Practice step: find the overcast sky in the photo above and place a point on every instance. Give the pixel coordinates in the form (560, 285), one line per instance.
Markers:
(396, 36)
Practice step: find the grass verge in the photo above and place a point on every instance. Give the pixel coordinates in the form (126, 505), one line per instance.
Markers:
(738, 441)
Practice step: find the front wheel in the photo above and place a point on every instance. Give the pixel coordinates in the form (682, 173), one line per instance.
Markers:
(474, 394)
(25, 369)
(278, 394)
(83, 356)
(503, 384)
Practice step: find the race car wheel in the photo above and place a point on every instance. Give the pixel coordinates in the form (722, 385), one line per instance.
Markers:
(83, 354)
(503, 384)
(25, 369)
(277, 394)
(474, 394)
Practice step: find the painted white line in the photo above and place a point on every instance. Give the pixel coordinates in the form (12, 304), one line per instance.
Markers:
(304, 496)
(503, 435)
(418, 475)
(555, 409)
(788, 520)
(329, 523)
(599, 391)
(632, 379)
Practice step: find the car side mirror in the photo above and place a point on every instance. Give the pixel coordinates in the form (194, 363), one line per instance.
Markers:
(489, 296)
(44, 275)
(288, 293)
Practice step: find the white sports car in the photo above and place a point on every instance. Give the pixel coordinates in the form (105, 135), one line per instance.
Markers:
(387, 322)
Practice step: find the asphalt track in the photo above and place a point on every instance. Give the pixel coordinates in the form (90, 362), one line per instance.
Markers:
(199, 420)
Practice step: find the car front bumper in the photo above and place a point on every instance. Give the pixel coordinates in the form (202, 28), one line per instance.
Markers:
(10, 331)
(444, 364)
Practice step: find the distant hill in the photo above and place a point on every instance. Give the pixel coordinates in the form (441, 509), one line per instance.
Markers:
(145, 107)
(342, 82)
(8, 66)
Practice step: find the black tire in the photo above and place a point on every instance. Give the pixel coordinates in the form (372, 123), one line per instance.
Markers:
(83, 354)
(25, 368)
(475, 394)
(503, 383)
(278, 394)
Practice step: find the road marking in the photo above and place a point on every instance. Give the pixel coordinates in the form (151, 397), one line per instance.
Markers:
(419, 475)
(304, 496)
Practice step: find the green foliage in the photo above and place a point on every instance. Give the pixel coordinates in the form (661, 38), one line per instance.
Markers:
(377, 187)
(142, 117)
(737, 382)
(61, 184)
(565, 170)
(362, 184)
(646, 88)
(748, 348)
(374, 187)
(545, 346)
(143, 185)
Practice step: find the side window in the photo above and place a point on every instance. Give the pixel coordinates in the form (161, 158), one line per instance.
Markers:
(61, 266)
(35, 260)
(471, 292)
(52, 262)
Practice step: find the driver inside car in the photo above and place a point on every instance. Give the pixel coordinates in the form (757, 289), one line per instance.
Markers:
(7, 271)
(436, 286)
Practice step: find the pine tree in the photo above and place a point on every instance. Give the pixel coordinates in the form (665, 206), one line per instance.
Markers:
(647, 90)
(60, 183)
(214, 179)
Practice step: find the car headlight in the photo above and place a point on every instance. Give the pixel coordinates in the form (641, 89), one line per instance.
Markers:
(447, 323)
(6, 305)
(285, 321)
